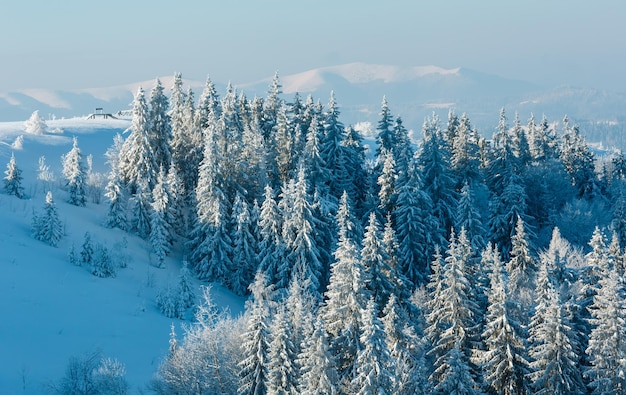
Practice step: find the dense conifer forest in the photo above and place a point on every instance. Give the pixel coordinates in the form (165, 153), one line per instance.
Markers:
(457, 264)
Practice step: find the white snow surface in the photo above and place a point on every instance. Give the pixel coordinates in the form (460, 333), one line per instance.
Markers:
(53, 310)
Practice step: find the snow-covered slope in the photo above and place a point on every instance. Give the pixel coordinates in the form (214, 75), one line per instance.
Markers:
(52, 310)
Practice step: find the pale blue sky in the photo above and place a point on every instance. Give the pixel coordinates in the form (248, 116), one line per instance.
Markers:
(84, 43)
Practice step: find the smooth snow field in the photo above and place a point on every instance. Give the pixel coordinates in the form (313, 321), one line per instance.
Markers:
(52, 310)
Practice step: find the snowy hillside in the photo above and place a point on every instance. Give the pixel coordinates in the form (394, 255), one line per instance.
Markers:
(53, 310)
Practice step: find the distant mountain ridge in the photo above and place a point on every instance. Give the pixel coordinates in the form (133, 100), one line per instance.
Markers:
(412, 92)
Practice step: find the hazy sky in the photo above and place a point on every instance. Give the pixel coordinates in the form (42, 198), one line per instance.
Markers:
(85, 43)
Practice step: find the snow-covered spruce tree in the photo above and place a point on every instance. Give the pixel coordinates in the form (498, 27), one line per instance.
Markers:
(318, 372)
(282, 370)
(160, 130)
(177, 210)
(468, 217)
(115, 191)
(451, 320)
(102, 264)
(301, 308)
(417, 229)
(465, 154)
(116, 195)
(555, 365)
(522, 271)
(210, 242)
(387, 192)
(618, 222)
(607, 341)
(72, 256)
(86, 251)
(160, 230)
(374, 261)
(385, 137)
(141, 210)
(505, 210)
(137, 161)
(302, 252)
(244, 255)
(356, 169)
(504, 361)
(35, 124)
(406, 350)
(75, 173)
(437, 179)
(403, 152)
(312, 159)
(283, 144)
(168, 302)
(256, 339)
(270, 244)
(345, 298)
(372, 363)
(47, 226)
(173, 302)
(330, 148)
(184, 288)
(456, 378)
(578, 161)
(13, 179)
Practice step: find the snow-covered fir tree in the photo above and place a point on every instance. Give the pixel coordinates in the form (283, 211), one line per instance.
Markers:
(75, 173)
(256, 340)
(417, 229)
(451, 319)
(137, 162)
(505, 361)
(47, 226)
(437, 179)
(373, 375)
(160, 130)
(607, 345)
(302, 253)
(141, 210)
(374, 261)
(345, 299)
(86, 250)
(13, 179)
(102, 264)
(244, 255)
(318, 372)
(160, 229)
(555, 365)
(270, 243)
(282, 370)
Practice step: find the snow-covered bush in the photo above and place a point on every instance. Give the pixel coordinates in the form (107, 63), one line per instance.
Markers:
(92, 374)
(206, 360)
(35, 124)
(102, 265)
(72, 256)
(95, 182)
(18, 144)
(174, 302)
